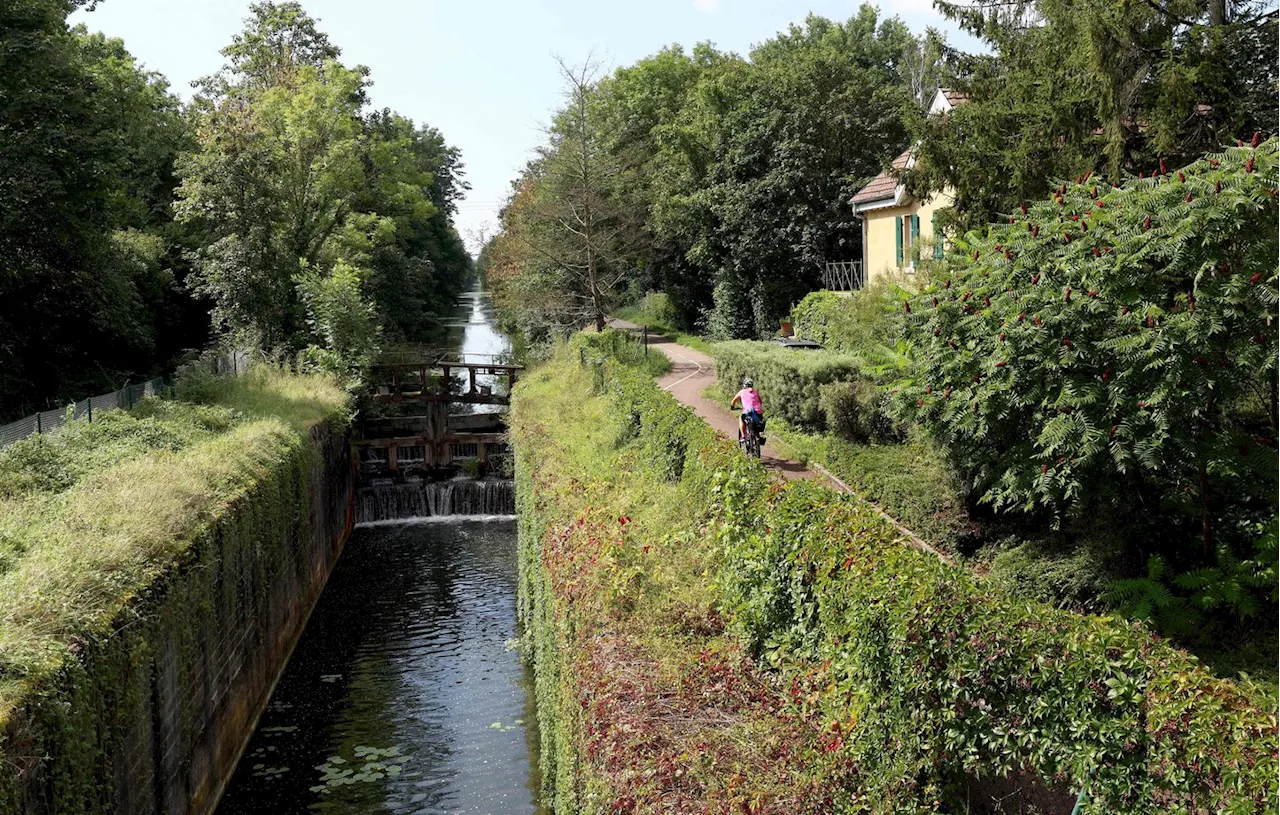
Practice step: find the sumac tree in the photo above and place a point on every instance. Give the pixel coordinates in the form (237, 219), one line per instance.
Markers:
(1113, 345)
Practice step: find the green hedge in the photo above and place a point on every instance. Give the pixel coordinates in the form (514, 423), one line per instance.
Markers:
(927, 674)
(861, 322)
(790, 381)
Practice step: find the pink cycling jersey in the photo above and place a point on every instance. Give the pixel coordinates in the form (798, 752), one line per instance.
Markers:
(751, 401)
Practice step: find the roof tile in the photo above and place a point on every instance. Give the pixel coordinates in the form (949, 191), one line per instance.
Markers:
(883, 185)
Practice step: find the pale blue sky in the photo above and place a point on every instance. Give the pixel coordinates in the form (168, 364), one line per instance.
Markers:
(481, 72)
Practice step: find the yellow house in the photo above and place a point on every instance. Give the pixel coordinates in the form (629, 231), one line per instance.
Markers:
(896, 228)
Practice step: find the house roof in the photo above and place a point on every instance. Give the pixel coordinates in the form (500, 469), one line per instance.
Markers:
(955, 97)
(884, 185)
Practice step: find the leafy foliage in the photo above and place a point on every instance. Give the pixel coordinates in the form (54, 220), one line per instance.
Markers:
(919, 673)
(1111, 341)
(1105, 87)
(85, 185)
(732, 177)
(292, 186)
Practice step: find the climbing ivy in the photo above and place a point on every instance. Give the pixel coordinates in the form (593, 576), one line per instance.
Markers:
(925, 678)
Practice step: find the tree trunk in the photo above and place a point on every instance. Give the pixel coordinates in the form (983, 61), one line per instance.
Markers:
(1217, 12)
(1205, 522)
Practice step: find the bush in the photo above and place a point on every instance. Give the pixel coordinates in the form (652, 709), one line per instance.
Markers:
(655, 309)
(858, 323)
(859, 412)
(1065, 361)
(790, 382)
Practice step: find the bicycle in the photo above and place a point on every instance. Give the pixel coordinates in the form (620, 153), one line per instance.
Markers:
(751, 442)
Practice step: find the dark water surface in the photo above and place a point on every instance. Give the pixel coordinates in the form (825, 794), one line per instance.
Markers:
(403, 695)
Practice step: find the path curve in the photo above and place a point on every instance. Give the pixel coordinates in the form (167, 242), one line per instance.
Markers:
(692, 372)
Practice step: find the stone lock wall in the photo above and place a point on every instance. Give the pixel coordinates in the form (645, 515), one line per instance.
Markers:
(154, 719)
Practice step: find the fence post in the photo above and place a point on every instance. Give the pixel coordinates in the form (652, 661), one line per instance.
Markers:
(39, 424)
(582, 357)
(646, 340)
(89, 402)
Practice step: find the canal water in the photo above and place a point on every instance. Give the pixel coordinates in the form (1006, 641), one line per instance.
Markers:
(405, 693)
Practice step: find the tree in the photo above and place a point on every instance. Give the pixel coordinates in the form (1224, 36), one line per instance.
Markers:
(88, 145)
(294, 188)
(759, 167)
(417, 268)
(274, 177)
(1105, 87)
(568, 219)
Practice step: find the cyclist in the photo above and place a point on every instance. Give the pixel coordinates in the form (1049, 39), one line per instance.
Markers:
(752, 408)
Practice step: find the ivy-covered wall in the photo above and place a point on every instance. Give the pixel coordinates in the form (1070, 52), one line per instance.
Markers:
(922, 677)
(152, 718)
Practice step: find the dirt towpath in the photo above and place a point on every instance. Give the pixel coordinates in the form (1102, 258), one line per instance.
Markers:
(692, 372)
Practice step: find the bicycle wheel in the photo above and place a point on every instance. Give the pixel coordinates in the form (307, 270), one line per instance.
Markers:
(753, 444)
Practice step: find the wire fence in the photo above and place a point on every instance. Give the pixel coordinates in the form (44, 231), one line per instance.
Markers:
(47, 421)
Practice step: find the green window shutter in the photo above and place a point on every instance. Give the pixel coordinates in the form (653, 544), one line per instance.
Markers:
(915, 237)
(897, 240)
(937, 239)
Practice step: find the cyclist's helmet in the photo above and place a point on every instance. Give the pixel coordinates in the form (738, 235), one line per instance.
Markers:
(747, 383)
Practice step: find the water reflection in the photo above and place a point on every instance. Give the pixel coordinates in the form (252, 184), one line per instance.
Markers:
(473, 333)
(402, 695)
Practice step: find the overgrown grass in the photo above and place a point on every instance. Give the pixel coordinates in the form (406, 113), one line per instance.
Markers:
(621, 346)
(892, 677)
(94, 514)
(672, 711)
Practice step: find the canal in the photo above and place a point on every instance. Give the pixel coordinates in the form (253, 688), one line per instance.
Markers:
(405, 693)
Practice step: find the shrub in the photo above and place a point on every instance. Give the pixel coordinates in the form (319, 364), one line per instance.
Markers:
(656, 309)
(859, 412)
(860, 322)
(789, 381)
(1111, 343)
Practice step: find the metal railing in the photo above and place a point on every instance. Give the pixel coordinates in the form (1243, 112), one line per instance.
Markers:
(843, 275)
(47, 421)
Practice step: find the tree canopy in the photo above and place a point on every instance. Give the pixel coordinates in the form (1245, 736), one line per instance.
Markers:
(735, 174)
(1106, 87)
(132, 227)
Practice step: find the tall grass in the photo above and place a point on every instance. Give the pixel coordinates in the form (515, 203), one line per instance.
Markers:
(93, 515)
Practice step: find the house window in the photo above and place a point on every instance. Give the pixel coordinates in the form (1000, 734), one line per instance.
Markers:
(907, 240)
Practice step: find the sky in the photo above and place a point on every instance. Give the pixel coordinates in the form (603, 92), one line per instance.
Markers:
(481, 71)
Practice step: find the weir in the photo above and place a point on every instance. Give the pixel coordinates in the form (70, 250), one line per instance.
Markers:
(428, 499)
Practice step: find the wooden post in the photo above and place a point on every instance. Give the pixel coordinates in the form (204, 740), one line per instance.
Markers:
(392, 452)
(645, 329)
(471, 372)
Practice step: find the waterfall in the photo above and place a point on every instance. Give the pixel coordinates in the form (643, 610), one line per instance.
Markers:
(426, 499)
